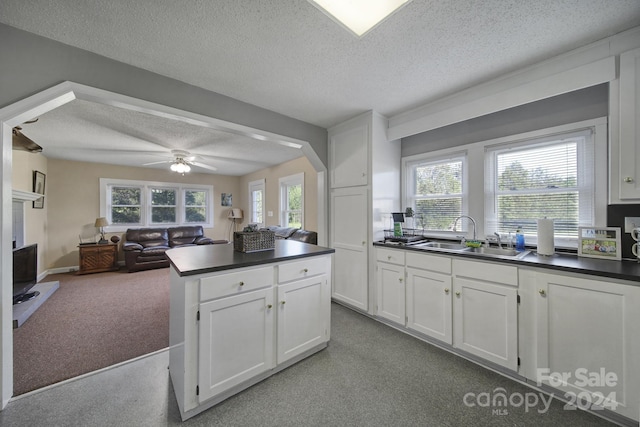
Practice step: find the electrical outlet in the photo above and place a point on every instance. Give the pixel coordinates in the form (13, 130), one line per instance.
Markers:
(631, 222)
(270, 213)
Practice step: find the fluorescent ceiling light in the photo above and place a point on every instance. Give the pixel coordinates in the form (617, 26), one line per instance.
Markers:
(359, 16)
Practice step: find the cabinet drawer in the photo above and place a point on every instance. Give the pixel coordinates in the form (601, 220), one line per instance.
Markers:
(487, 271)
(390, 255)
(233, 283)
(440, 264)
(306, 267)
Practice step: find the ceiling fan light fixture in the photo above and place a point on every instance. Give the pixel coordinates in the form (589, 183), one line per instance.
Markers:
(180, 166)
(359, 16)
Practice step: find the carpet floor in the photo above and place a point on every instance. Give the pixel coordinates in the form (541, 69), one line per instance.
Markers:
(91, 322)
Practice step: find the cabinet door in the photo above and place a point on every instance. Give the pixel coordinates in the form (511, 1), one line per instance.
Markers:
(485, 319)
(629, 125)
(348, 155)
(236, 341)
(303, 321)
(390, 292)
(349, 239)
(589, 329)
(429, 304)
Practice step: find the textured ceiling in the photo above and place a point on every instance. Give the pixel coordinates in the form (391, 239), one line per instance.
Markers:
(86, 131)
(287, 56)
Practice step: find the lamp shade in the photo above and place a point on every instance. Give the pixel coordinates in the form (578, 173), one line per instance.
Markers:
(235, 213)
(101, 222)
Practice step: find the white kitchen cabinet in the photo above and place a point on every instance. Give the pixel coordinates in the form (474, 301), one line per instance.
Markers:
(236, 341)
(349, 155)
(485, 311)
(390, 285)
(586, 333)
(231, 327)
(302, 316)
(349, 238)
(625, 130)
(429, 291)
(365, 167)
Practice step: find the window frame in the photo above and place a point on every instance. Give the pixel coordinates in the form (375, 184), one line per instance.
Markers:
(177, 212)
(585, 185)
(476, 172)
(257, 185)
(409, 188)
(145, 209)
(284, 183)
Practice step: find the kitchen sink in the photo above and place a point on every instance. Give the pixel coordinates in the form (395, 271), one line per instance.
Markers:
(442, 245)
(499, 252)
(504, 253)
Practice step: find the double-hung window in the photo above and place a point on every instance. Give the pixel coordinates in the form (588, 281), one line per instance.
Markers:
(125, 202)
(548, 177)
(435, 190)
(256, 202)
(163, 205)
(292, 201)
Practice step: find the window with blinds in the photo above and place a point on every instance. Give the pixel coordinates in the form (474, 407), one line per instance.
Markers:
(435, 191)
(550, 177)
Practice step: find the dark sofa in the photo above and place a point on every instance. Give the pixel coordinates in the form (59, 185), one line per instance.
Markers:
(292, 233)
(144, 248)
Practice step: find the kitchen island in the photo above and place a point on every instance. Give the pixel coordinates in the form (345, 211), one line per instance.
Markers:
(237, 318)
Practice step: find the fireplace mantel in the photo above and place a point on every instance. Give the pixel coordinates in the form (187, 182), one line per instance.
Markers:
(25, 196)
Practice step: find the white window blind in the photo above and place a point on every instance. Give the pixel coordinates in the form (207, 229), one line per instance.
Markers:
(550, 177)
(435, 191)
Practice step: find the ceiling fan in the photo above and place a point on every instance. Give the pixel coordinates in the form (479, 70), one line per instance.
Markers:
(182, 162)
(21, 142)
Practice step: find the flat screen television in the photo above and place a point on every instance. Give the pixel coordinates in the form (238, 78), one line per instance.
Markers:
(25, 273)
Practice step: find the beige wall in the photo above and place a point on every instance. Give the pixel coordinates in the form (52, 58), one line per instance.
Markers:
(24, 164)
(271, 177)
(73, 190)
(72, 201)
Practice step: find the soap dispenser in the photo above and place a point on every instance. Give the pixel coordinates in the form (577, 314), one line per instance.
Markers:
(519, 240)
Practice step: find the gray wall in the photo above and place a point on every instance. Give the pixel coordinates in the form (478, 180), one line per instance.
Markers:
(31, 63)
(571, 107)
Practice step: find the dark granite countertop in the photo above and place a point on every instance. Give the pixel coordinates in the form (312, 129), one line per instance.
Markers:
(192, 260)
(625, 269)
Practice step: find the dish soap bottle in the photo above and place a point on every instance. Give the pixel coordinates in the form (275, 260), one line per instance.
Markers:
(519, 240)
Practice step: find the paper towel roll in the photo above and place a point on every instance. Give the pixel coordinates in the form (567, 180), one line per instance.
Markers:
(545, 237)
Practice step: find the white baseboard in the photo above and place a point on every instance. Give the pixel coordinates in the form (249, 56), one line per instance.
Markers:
(68, 269)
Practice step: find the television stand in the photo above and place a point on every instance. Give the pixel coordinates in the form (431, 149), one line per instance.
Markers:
(23, 310)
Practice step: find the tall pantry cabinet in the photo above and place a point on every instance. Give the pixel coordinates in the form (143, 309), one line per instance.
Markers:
(364, 179)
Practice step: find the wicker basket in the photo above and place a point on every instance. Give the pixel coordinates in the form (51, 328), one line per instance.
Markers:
(253, 241)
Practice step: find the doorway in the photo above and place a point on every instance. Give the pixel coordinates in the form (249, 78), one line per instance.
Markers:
(61, 94)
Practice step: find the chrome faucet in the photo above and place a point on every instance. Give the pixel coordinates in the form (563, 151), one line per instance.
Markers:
(473, 221)
(499, 240)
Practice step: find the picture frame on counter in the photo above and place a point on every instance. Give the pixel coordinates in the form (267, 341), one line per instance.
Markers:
(600, 242)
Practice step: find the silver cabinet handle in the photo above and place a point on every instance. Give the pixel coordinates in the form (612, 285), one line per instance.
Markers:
(628, 179)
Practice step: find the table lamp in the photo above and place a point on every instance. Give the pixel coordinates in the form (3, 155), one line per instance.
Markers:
(101, 223)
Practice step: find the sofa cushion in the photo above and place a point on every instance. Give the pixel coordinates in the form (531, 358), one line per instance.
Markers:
(282, 232)
(180, 236)
(148, 237)
(305, 236)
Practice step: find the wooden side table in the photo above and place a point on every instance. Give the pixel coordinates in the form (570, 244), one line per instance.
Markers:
(96, 258)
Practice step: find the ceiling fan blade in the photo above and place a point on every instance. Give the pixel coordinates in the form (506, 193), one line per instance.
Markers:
(203, 166)
(21, 142)
(157, 163)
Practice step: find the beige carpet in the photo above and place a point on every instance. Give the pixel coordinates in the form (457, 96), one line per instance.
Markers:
(91, 322)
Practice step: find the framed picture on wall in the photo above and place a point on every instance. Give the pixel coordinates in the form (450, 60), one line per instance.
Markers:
(38, 187)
